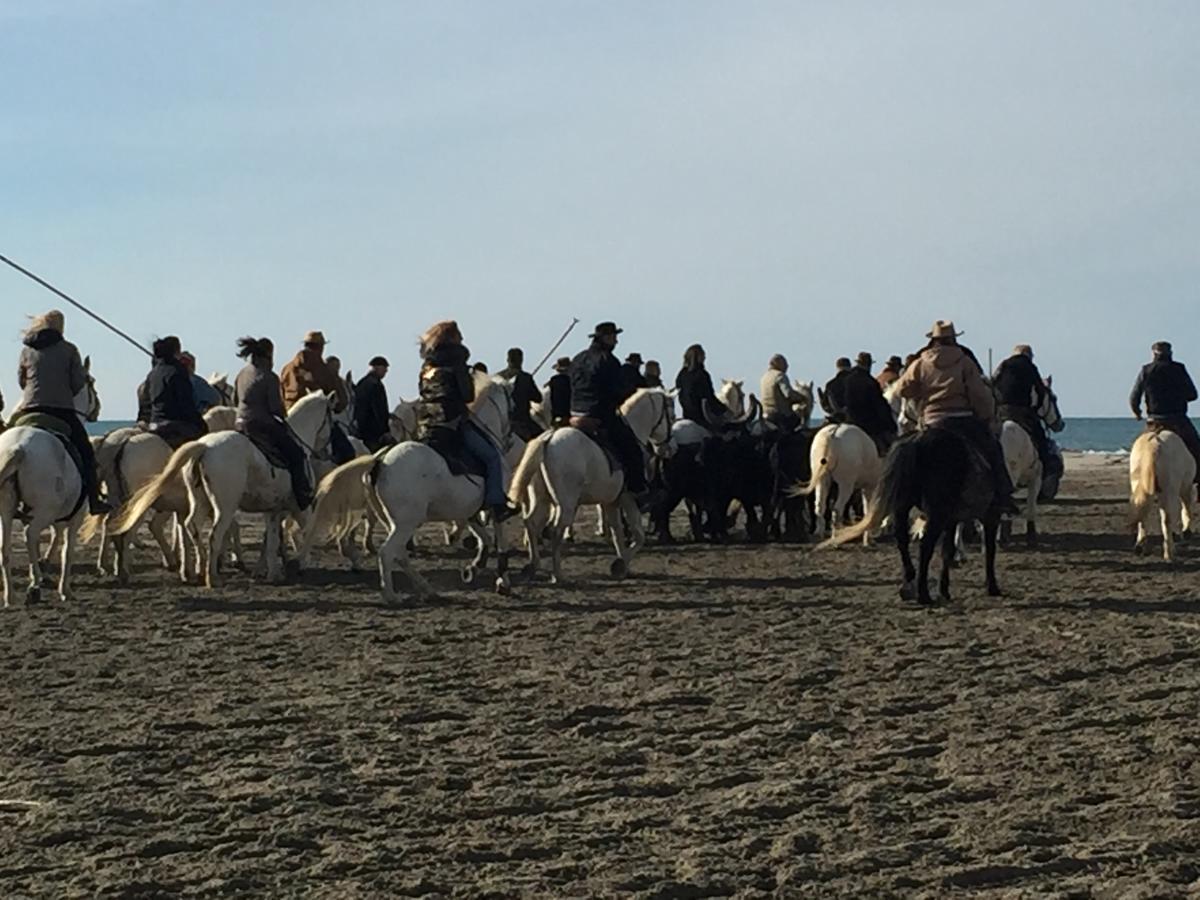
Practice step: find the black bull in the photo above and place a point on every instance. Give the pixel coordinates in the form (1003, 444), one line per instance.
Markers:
(756, 471)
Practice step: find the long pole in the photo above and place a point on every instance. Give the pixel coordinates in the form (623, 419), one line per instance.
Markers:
(79, 306)
(557, 344)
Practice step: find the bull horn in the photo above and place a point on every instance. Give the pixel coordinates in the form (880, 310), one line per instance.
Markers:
(754, 412)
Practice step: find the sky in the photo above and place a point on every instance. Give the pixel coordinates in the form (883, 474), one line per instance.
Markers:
(807, 178)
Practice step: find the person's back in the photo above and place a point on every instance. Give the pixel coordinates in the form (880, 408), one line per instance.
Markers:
(524, 394)
(559, 389)
(371, 414)
(833, 397)
(446, 387)
(170, 399)
(308, 372)
(1017, 382)
(595, 383)
(256, 395)
(1168, 389)
(777, 394)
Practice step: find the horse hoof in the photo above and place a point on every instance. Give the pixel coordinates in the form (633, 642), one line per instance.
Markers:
(67, 597)
(994, 590)
(1139, 549)
(908, 591)
(470, 542)
(467, 575)
(33, 595)
(618, 568)
(503, 588)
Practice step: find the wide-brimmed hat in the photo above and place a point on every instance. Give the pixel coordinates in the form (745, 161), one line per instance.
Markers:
(895, 361)
(634, 358)
(378, 361)
(943, 328)
(315, 337)
(562, 364)
(606, 328)
(865, 359)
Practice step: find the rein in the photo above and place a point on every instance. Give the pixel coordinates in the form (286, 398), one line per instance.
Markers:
(325, 455)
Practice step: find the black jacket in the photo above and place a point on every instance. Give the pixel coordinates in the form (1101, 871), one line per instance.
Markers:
(524, 393)
(695, 390)
(596, 385)
(835, 394)
(1018, 383)
(168, 395)
(1168, 389)
(560, 396)
(446, 387)
(371, 413)
(631, 378)
(864, 404)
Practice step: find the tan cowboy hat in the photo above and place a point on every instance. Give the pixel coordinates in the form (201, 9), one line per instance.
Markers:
(315, 337)
(943, 328)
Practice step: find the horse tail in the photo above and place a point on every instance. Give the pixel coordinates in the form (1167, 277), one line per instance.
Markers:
(892, 493)
(530, 465)
(131, 512)
(1146, 487)
(805, 488)
(92, 523)
(338, 497)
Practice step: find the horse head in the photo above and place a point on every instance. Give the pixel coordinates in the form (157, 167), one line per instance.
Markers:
(311, 421)
(403, 421)
(1048, 410)
(87, 401)
(732, 397)
(650, 413)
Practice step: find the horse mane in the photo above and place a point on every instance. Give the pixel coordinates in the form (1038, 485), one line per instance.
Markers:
(637, 395)
(306, 401)
(485, 384)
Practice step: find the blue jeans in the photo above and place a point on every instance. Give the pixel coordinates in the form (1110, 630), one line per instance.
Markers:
(481, 447)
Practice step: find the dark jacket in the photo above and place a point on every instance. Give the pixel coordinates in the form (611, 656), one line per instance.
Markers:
(864, 403)
(596, 385)
(50, 372)
(446, 387)
(695, 391)
(371, 414)
(631, 379)
(524, 393)
(1168, 389)
(1018, 383)
(560, 396)
(168, 394)
(257, 397)
(835, 394)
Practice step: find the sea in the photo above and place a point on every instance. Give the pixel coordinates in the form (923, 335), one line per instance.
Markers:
(1099, 435)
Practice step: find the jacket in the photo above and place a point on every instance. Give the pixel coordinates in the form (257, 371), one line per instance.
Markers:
(308, 372)
(886, 377)
(257, 397)
(1167, 387)
(446, 389)
(372, 418)
(631, 379)
(205, 394)
(50, 372)
(559, 389)
(865, 405)
(778, 395)
(168, 394)
(946, 382)
(1018, 383)
(524, 393)
(597, 388)
(695, 390)
(835, 394)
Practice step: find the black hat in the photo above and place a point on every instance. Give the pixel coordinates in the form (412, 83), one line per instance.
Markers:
(865, 359)
(606, 328)
(635, 358)
(378, 361)
(895, 362)
(1161, 347)
(843, 362)
(563, 363)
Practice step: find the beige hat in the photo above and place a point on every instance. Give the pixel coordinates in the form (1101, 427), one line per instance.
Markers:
(943, 328)
(1023, 350)
(315, 337)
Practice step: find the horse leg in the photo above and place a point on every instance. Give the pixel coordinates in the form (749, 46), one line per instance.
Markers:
(934, 528)
(633, 518)
(610, 515)
(990, 526)
(70, 534)
(564, 518)
(866, 502)
(537, 516)
(1035, 488)
(950, 539)
(33, 537)
(6, 539)
(903, 533)
(393, 552)
(158, 529)
(1168, 516)
(211, 554)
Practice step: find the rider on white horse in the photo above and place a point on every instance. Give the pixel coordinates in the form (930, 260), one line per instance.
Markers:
(307, 372)
(207, 397)
(447, 388)
(51, 374)
(1168, 389)
(863, 404)
(259, 402)
(170, 401)
(1020, 393)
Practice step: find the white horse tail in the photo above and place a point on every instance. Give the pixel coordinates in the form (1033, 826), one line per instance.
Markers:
(805, 488)
(8, 468)
(531, 465)
(131, 512)
(1146, 488)
(899, 482)
(339, 496)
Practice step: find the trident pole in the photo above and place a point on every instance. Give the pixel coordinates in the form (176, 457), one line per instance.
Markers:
(79, 306)
(557, 344)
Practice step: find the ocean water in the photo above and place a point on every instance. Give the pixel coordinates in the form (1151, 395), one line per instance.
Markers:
(1095, 435)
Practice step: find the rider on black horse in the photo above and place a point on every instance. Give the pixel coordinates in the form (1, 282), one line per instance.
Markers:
(948, 384)
(1020, 392)
(597, 392)
(695, 387)
(1168, 390)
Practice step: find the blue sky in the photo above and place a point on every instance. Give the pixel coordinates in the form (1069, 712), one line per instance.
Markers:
(805, 178)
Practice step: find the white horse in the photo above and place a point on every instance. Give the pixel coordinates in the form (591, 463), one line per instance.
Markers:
(845, 457)
(226, 472)
(1162, 474)
(1021, 459)
(565, 469)
(411, 484)
(40, 481)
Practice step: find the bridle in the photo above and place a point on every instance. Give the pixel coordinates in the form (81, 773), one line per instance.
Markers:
(326, 426)
(665, 447)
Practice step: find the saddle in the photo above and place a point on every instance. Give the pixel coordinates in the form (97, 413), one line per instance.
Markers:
(450, 446)
(59, 429)
(594, 429)
(267, 449)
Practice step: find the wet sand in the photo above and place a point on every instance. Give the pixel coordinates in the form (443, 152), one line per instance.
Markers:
(746, 721)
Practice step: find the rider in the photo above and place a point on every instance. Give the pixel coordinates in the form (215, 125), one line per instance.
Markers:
(865, 406)
(50, 374)
(695, 388)
(171, 411)
(447, 386)
(525, 393)
(1020, 393)
(890, 372)
(372, 418)
(206, 395)
(778, 396)
(260, 414)
(559, 389)
(652, 372)
(631, 373)
(1168, 389)
(953, 395)
(597, 392)
(833, 398)
(308, 371)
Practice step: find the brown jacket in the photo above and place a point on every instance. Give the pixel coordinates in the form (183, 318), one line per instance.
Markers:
(306, 373)
(946, 382)
(886, 377)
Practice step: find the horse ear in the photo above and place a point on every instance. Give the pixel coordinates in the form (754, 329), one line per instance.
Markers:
(738, 384)
(1049, 381)
(87, 363)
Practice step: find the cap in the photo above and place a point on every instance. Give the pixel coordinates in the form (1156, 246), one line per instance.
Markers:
(378, 361)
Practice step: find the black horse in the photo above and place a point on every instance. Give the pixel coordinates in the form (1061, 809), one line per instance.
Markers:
(939, 473)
